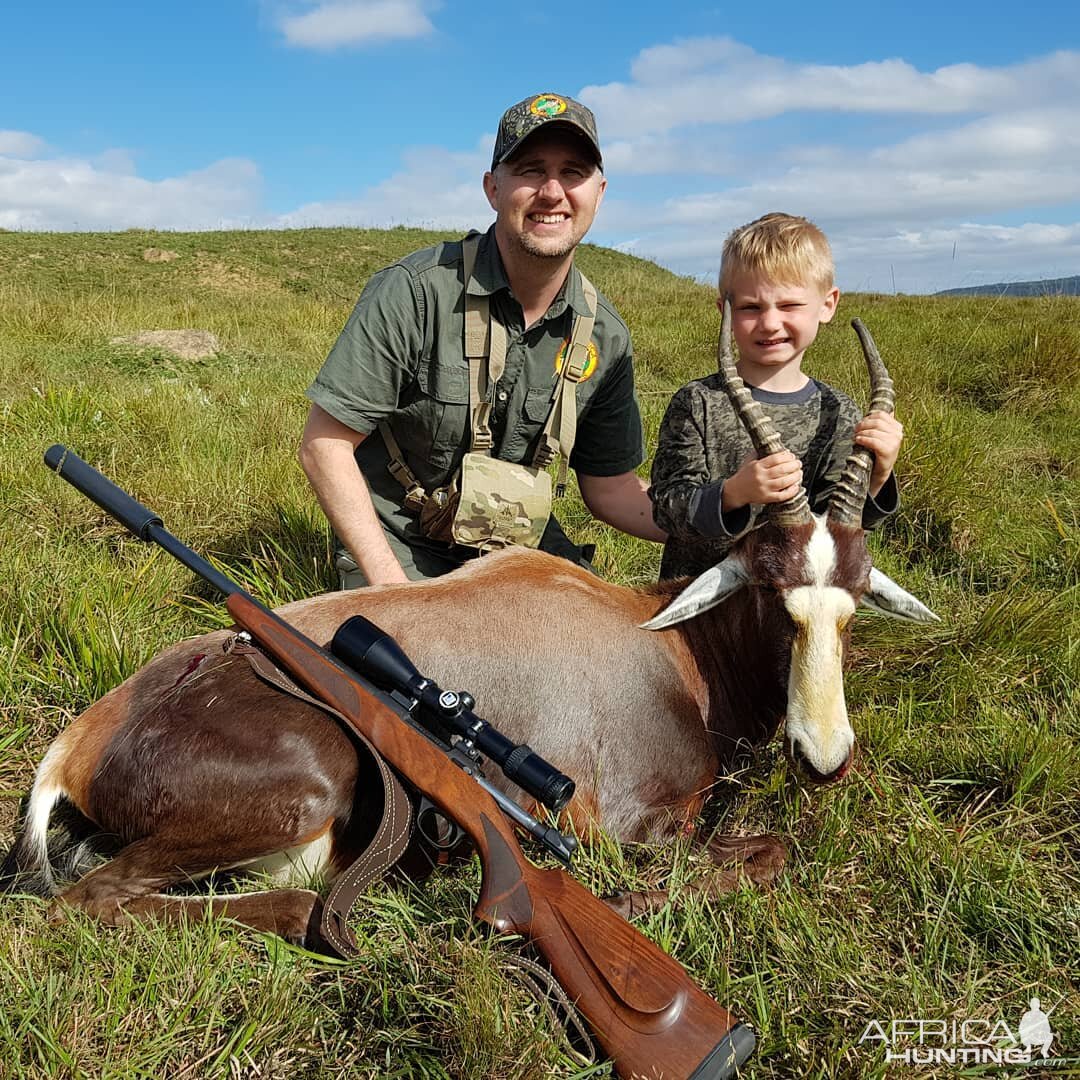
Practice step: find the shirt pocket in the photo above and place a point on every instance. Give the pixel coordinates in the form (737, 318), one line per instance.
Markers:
(537, 405)
(521, 444)
(438, 416)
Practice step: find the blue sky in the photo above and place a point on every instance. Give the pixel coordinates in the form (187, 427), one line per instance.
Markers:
(937, 144)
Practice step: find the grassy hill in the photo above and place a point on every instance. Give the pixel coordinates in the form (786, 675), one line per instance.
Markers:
(940, 880)
(1064, 286)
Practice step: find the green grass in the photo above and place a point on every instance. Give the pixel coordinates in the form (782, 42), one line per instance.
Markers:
(941, 880)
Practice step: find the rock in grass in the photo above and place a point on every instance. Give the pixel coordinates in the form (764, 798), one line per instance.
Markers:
(154, 254)
(185, 344)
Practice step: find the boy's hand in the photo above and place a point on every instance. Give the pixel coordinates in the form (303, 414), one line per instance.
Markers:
(771, 479)
(882, 433)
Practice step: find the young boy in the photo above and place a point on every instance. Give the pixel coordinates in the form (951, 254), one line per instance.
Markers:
(708, 485)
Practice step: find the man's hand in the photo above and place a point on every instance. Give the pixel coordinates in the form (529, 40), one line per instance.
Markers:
(882, 433)
(771, 479)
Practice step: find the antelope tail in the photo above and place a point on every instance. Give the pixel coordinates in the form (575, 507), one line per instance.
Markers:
(26, 867)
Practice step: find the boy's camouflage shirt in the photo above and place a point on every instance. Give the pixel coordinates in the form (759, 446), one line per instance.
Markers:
(702, 442)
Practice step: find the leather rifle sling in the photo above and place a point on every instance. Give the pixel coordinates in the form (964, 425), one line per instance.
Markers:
(394, 829)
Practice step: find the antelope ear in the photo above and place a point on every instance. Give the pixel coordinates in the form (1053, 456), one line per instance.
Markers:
(704, 592)
(887, 598)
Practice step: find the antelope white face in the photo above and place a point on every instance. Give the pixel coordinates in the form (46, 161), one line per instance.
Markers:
(818, 732)
(820, 581)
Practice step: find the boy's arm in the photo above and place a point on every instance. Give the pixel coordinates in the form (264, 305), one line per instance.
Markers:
(679, 467)
(686, 497)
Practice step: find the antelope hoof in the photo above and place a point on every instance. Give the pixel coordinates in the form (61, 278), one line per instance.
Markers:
(631, 904)
(107, 910)
(57, 912)
(297, 920)
(760, 858)
(619, 902)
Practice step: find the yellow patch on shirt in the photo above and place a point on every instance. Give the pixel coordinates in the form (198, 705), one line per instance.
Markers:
(591, 364)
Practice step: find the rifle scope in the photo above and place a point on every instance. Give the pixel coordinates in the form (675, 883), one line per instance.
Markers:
(376, 655)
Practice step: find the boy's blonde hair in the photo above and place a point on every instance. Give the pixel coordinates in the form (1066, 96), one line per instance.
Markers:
(784, 248)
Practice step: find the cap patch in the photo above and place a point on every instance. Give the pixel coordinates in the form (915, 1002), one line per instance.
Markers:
(591, 362)
(547, 105)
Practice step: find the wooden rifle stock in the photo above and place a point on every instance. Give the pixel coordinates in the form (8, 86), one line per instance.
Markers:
(647, 1014)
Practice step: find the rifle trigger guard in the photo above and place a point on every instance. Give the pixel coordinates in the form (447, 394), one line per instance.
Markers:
(436, 828)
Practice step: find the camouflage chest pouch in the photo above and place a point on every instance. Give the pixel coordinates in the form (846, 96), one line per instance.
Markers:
(500, 503)
(490, 504)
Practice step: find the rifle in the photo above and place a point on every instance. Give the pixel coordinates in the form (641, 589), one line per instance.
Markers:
(645, 1011)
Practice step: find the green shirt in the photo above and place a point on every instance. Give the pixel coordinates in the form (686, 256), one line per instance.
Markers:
(401, 358)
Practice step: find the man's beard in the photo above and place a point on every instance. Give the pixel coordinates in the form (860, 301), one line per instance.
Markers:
(539, 250)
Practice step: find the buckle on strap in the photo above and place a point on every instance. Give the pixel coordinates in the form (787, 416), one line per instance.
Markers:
(415, 495)
(482, 441)
(546, 451)
(575, 362)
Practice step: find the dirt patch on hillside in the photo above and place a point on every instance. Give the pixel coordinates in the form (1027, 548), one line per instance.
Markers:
(186, 344)
(217, 275)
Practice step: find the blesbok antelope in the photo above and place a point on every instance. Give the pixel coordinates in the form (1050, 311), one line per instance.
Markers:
(193, 764)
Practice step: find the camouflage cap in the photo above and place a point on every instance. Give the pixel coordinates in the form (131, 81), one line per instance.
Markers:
(524, 118)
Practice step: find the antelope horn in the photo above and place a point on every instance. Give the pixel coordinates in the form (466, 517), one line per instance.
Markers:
(849, 495)
(762, 431)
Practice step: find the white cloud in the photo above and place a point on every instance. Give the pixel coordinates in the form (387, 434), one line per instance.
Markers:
(435, 188)
(872, 257)
(115, 160)
(20, 144)
(996, 142)
(983, 186)
(1026, 138)
(926, 260)
(720, 81)
(104, 193)
(906, 211)
(993, 165)
(670, 154)
(357, 22)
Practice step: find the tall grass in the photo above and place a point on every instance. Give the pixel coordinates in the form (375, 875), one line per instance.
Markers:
(941, 880)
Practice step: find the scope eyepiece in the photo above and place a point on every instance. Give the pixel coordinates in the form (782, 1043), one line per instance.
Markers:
(375, 654)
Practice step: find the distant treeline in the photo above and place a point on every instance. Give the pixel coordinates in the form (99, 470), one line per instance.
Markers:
(1062, 286)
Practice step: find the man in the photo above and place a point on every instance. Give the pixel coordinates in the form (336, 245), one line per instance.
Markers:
(400, 362)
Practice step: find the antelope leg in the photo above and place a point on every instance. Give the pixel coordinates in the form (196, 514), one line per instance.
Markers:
(129, 887)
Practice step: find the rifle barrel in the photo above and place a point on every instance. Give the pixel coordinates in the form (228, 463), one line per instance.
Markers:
(136, 518)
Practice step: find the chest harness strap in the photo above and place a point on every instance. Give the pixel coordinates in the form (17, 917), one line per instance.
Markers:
(485, 353)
